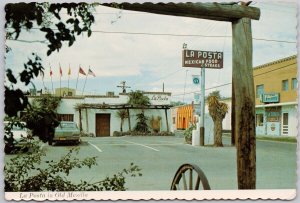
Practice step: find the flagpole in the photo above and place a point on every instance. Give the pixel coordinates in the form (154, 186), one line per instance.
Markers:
(77, 79)
(85, 82)
(59, 80)
(69, 77)
(43, 81)
(51, 79)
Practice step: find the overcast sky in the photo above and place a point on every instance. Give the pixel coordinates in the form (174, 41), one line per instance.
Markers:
(146, 61)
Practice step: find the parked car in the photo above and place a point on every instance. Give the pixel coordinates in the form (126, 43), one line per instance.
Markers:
(20, 138)
(67, 132)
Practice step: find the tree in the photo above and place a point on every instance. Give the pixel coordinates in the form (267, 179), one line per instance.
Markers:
(138, 98)
(122, 114)
(215, 93)
(217, 110)
(41, 117)
(47, 18)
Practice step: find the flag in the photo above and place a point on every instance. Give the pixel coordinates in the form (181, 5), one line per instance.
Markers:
(81, 71)
(196, 80)
(90, 72)
(60, 70)
(69, 72)
(51, 72)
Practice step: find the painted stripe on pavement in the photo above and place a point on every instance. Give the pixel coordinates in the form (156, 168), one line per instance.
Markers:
(142, 145)
(97, 148)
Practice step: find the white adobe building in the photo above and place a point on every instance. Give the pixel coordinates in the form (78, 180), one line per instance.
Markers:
(97, 114)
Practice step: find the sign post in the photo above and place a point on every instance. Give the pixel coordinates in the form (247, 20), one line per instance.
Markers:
(202, 104)
(202, 59)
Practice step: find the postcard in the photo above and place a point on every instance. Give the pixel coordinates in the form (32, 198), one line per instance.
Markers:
(153, 100)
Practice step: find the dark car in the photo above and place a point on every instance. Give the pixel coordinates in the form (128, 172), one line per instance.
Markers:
(67, 132)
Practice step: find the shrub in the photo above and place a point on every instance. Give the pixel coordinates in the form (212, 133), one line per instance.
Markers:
(141, 125)
(188, 134)
(52, 177)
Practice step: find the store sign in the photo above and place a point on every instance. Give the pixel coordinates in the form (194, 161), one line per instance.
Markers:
(159, 98)
(196, 98)
(270, 98)
(202, 59)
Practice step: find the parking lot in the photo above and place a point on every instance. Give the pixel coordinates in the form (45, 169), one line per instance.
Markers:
(160, 157)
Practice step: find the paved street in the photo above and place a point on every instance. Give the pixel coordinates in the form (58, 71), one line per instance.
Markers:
(160, 157)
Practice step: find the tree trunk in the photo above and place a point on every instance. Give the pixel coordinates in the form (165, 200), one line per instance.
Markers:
(218, 132)
(242, 75)
(121, 126)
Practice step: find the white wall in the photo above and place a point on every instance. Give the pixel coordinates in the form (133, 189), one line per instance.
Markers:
(293, 119)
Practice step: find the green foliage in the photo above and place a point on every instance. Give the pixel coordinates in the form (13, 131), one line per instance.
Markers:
(188, 133)
(25, 173)
(141, 125)
(46, 15)
(41, 117)
(10, 144)
(177, 103)
(138, 98)
(25, 15)
(122, 114)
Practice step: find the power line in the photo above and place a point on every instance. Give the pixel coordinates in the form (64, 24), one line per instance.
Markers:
(205, 89)
(231, 83)
(184, 35)
(179, 35)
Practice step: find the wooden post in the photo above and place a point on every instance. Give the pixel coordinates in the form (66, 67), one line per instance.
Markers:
(80, 123)
(242, 75)
(129, 124)
(87, 120)
(232, 115)
(166, 114)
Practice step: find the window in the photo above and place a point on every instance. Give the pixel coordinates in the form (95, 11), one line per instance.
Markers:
(66, 117)
(259, 119)
(294, 83)
(174, 119)
(259, 90)
(285, 85)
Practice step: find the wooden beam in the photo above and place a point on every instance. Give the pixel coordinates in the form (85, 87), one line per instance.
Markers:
(242, 74)
(129, 124)
(211, 11)
(80, 122)
(87, 120)
(166, 114)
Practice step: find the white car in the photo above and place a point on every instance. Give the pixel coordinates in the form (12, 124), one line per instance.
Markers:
(20, 137)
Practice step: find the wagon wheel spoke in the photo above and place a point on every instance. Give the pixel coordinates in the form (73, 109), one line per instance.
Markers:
(197, 183)
(184, 182)
(191, 179)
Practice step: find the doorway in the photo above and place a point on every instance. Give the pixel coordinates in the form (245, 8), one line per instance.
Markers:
(285, 123)
(102, 125)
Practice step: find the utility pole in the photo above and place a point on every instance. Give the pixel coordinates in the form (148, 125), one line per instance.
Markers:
(123, 86)
(202, 99)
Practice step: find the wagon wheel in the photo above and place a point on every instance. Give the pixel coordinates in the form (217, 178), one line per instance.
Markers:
(181, 182)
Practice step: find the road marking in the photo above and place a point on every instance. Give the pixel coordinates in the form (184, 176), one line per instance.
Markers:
(95, 147)
(273, 141)
(142, 145)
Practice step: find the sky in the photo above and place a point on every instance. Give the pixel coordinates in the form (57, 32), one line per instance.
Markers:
(115, 51)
